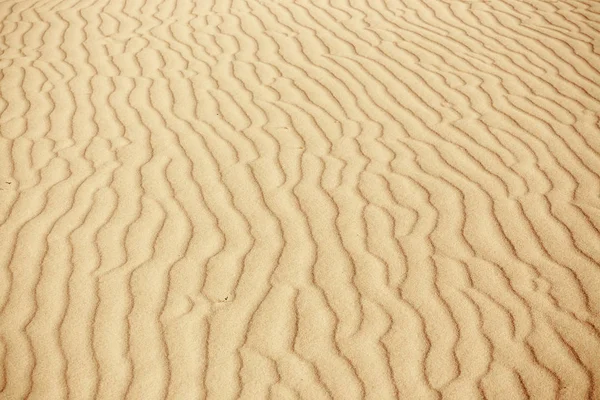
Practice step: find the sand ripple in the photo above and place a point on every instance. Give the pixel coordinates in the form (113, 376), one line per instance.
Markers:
(339, 199)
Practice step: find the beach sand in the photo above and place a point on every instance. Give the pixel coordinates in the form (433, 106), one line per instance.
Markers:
(299, 199)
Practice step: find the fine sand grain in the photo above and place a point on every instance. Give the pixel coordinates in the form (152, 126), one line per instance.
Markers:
(299, 199)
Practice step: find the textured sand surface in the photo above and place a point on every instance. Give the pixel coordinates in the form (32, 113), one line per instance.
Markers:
(337, 199)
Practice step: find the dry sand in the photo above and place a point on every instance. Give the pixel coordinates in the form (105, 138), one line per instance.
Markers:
(337, 199)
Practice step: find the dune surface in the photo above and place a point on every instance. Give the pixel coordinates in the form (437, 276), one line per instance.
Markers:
(299, 199)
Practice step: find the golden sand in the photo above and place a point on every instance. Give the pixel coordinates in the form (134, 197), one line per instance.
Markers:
(299, 199)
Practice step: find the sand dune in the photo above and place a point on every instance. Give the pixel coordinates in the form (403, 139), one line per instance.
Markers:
(299, 199)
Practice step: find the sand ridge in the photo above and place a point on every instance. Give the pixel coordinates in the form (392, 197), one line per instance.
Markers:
(340, 199)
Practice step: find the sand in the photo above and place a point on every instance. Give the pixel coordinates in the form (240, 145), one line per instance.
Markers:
(337, 199)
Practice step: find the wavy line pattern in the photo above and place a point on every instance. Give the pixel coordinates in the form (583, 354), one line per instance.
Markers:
(341, 199)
